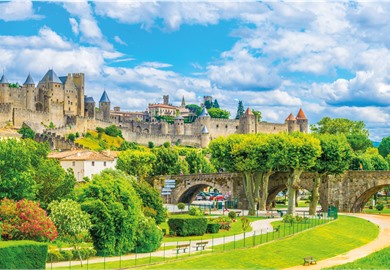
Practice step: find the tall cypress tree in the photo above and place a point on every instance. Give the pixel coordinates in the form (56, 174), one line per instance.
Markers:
(240, 109)
(215, 104)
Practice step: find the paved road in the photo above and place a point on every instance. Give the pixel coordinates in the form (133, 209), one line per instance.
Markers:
(382, 241)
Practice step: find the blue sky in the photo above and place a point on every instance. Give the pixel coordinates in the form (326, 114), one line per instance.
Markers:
(331, 59)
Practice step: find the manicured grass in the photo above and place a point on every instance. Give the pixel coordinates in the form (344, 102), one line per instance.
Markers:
(385, 211)
(235, 229)
(377, 260)
(342, 235)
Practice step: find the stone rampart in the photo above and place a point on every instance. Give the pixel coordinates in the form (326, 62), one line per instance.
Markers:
(264, 127)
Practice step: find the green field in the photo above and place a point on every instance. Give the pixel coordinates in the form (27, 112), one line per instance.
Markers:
(377, 260)
(322, 242)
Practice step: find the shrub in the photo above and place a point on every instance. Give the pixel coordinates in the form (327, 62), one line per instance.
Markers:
(71, 137)
(150, 145)
(212, 228)
(187, 226)
(149, 236)
(23, 255)
(195, 211)
(232, 214)
(113, 131)
(379, 207)
(25, 220)
(288, 218)
(57, 255)
(181, 206)
(99, 129)
(66, 254)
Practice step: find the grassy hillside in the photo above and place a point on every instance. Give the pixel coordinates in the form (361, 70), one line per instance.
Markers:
(93, 141)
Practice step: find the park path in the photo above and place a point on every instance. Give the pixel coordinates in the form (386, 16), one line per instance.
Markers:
(382, 241)
(258, 226)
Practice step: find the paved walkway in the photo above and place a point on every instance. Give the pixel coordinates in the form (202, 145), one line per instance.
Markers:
(258, 226)
(382, 241)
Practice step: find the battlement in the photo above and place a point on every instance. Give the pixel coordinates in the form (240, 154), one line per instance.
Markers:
(31, 112)
(221, 120)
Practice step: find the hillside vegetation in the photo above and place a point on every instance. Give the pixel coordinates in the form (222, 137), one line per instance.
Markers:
(99, 141)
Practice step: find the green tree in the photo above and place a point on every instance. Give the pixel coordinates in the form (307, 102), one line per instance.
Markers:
(53, 182)
(71, 137)
(113, 131)
(384, 147)
(258, 113)
(240, 110)
(218, 113)
(151, 198)
(115, 211)
(356, 132)
(72, 223)
(136, 162)
(198, 163)
(302, 151)
(216, 104)
(27, 132)
(17, 160)
(377, 161)
(167, 161)
(335, 159)
(194, 109)
(208, 104)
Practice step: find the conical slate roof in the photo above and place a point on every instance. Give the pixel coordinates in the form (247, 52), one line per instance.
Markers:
(301, 114)
(51, 76)
(205, 130)
(29, 80)
(89, 100)
(104, 97)
(179, 117)
(3, 79)
(290, 117)
(204, 113)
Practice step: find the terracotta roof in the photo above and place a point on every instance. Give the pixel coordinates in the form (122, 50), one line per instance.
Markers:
(290, 117)
(248, 111)
(162, 106)
(301, 114)
(80, 155)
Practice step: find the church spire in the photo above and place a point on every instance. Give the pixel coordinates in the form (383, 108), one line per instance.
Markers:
(183, 103)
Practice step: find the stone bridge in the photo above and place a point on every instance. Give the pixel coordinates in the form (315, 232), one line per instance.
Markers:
(349, 191)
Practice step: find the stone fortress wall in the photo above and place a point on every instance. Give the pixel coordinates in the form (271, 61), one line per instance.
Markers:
(60, 101)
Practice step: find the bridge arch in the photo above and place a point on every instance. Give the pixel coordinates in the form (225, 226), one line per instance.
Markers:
(188, 195)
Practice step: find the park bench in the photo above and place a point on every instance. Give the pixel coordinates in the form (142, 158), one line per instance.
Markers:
(277, 228)
(238, 213)
(309, 260)
(320, 214)
(224, 225)
(201, 245)
(182, 247)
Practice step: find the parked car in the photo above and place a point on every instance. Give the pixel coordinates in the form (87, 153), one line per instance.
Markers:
(202, 196)
(217, 197)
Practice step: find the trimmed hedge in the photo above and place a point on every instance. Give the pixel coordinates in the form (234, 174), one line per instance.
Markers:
(212, 228)
(23, 255)
(57, 255)
(188, 226)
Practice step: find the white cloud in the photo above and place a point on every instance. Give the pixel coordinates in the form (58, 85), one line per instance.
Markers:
(17, 11)
(119, 41)
(75, 26)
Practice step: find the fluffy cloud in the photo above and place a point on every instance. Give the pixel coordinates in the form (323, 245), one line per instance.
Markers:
(17, 11)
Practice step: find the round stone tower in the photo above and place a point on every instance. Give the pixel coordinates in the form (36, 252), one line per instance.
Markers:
(4, 90)
(302, 121)
(204, 118)
(204, 137)
(29, 86)
(179, 125)
(291, 123)
(105, 106)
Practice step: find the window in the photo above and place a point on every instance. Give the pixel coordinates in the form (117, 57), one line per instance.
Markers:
(93, 163)
(105, 163)
(73, 163)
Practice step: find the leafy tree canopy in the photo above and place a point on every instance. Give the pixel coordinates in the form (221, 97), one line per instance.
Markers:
(240, 109)
(218, 113)
(136, 162)
(384, 147)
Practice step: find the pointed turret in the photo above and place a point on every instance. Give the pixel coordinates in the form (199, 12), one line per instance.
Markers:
(248, 111)
(205, 130)
(204, 138)
(204, 113)
(3, 80)
(29, 80)
(301, 114)
(290, 117)
(183, 103)
(50, 77)
(104, 97)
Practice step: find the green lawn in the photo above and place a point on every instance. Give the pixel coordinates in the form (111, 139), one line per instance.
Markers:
(235, 229)
(374, 211)
(322, 242)
(377, 260)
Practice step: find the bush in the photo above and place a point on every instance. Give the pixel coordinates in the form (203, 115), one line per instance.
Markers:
(195, 211)
(187, 226)
(212, 228)
(113, 131)
(379, 207)
(57, 255)
(23, 255)
(149, 236)
(71, 137)
(100, 130)
(181, 206)
(150, 145)
(232, 214)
